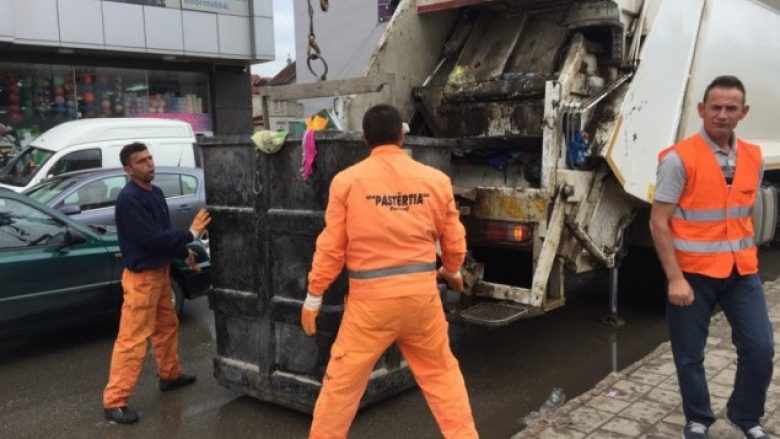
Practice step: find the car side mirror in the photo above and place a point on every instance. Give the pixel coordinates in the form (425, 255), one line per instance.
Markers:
(70, 209)
(72, 237)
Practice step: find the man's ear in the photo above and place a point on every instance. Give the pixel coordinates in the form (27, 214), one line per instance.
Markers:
(745, 109)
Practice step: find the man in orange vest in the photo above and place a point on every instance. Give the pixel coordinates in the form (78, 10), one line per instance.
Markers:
(383, 220)
(701, 222)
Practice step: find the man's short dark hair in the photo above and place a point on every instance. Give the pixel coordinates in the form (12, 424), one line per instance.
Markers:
(726, 81)
(382, 125)
(130, 149)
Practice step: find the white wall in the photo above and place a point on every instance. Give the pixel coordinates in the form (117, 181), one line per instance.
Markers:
(347, 35)
(114, 26)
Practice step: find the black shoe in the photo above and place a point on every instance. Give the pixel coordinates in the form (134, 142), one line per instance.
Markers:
(183, 380)
(121, 415)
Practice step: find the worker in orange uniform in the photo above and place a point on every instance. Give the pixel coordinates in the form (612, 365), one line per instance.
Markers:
(384, 218)
(148, 245)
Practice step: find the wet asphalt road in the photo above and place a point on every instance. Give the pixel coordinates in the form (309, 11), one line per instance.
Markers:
(50, 385)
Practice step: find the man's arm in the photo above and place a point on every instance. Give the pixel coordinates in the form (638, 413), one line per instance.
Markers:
(144, 230)
(453, 236)
(680, 292)
(329, 255)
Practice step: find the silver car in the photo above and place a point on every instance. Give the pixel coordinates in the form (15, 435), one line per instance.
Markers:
(89, 196)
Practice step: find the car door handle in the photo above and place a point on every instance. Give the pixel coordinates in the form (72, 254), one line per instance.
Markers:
(184, 207)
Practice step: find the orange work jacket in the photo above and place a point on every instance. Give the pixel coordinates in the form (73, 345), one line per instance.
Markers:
(712, 226)
(384, 217)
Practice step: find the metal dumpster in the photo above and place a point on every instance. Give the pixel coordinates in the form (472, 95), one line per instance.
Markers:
(265, 223)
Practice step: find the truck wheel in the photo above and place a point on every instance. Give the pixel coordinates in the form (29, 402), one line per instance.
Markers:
(177, 297)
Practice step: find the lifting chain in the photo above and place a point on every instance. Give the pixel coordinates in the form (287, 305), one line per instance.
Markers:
(313, 52)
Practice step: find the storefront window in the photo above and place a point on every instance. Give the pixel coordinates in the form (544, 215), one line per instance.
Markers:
(33, 98)
(36, 97)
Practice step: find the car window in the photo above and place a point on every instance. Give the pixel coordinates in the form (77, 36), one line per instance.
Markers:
(22, 225)
(97, 194)
(49, 189)
(75, 161)
(23, 168)
(189, 185)
(169, 183)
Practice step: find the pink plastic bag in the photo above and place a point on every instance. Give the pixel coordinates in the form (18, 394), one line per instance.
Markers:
(308, 154)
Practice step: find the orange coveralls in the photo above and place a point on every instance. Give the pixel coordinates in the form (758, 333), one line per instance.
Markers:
(383, 220)
(147, 313)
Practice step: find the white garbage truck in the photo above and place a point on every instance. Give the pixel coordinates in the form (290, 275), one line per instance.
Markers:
(549, 115)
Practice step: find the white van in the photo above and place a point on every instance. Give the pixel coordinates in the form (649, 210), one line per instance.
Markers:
(95, 143)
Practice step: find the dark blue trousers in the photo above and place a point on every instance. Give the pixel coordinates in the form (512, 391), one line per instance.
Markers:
(743, 302)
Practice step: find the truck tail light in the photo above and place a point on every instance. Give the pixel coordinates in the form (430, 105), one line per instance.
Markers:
(503, 231)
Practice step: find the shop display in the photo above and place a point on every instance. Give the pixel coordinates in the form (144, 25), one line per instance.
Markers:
(36, 97)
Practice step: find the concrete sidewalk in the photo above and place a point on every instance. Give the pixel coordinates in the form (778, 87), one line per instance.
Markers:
(643, 401)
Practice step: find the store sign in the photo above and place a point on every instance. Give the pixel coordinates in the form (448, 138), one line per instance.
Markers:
(161, 3)
(230, 7)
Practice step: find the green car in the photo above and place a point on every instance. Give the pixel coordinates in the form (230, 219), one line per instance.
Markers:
(55, 271)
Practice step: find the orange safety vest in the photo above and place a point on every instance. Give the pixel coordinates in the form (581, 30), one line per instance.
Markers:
(712, 226)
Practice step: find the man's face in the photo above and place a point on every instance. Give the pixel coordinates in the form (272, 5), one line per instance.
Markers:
(141, 166)
(722, 110)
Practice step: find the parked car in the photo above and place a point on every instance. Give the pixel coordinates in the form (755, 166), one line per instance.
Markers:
(56, 271)
(95, 143)
(89, 196)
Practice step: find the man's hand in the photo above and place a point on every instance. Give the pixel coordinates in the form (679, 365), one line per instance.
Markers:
(192, 261)
(309, 312)
(680, 292)
(454, 280)
(199, 224)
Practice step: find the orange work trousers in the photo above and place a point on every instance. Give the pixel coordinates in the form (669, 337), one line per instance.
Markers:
(418, 326)
(147, 313)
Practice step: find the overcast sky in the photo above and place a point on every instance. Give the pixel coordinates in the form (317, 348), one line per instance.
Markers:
(284, 39)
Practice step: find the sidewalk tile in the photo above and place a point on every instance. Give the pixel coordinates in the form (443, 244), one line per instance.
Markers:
(714, 363)
(631, 390)
(645, 412)
(664, 367)
(663, 430)
(676, 418)
(623, 426)
(560, 433)
(644, 376)
(664, 397)
(611, 405)
(726, 377)
(719, 390)
(586, 419)
(603, 434)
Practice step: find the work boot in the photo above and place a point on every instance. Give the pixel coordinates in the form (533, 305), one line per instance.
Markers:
(694, 430)
(121, 415)
(183, 380)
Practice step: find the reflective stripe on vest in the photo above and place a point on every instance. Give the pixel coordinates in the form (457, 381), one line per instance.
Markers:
(385, 272)
(712, 214)
(713, 247)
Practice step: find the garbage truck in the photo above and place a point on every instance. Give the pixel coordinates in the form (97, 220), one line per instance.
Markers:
(548, 116)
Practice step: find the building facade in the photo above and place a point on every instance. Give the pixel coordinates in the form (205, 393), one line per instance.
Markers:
(189, 60)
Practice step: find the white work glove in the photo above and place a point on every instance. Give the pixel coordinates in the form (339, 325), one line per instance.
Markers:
(309, 312)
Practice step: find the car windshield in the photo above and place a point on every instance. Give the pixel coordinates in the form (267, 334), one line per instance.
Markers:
(22, 169)
(49, 189)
